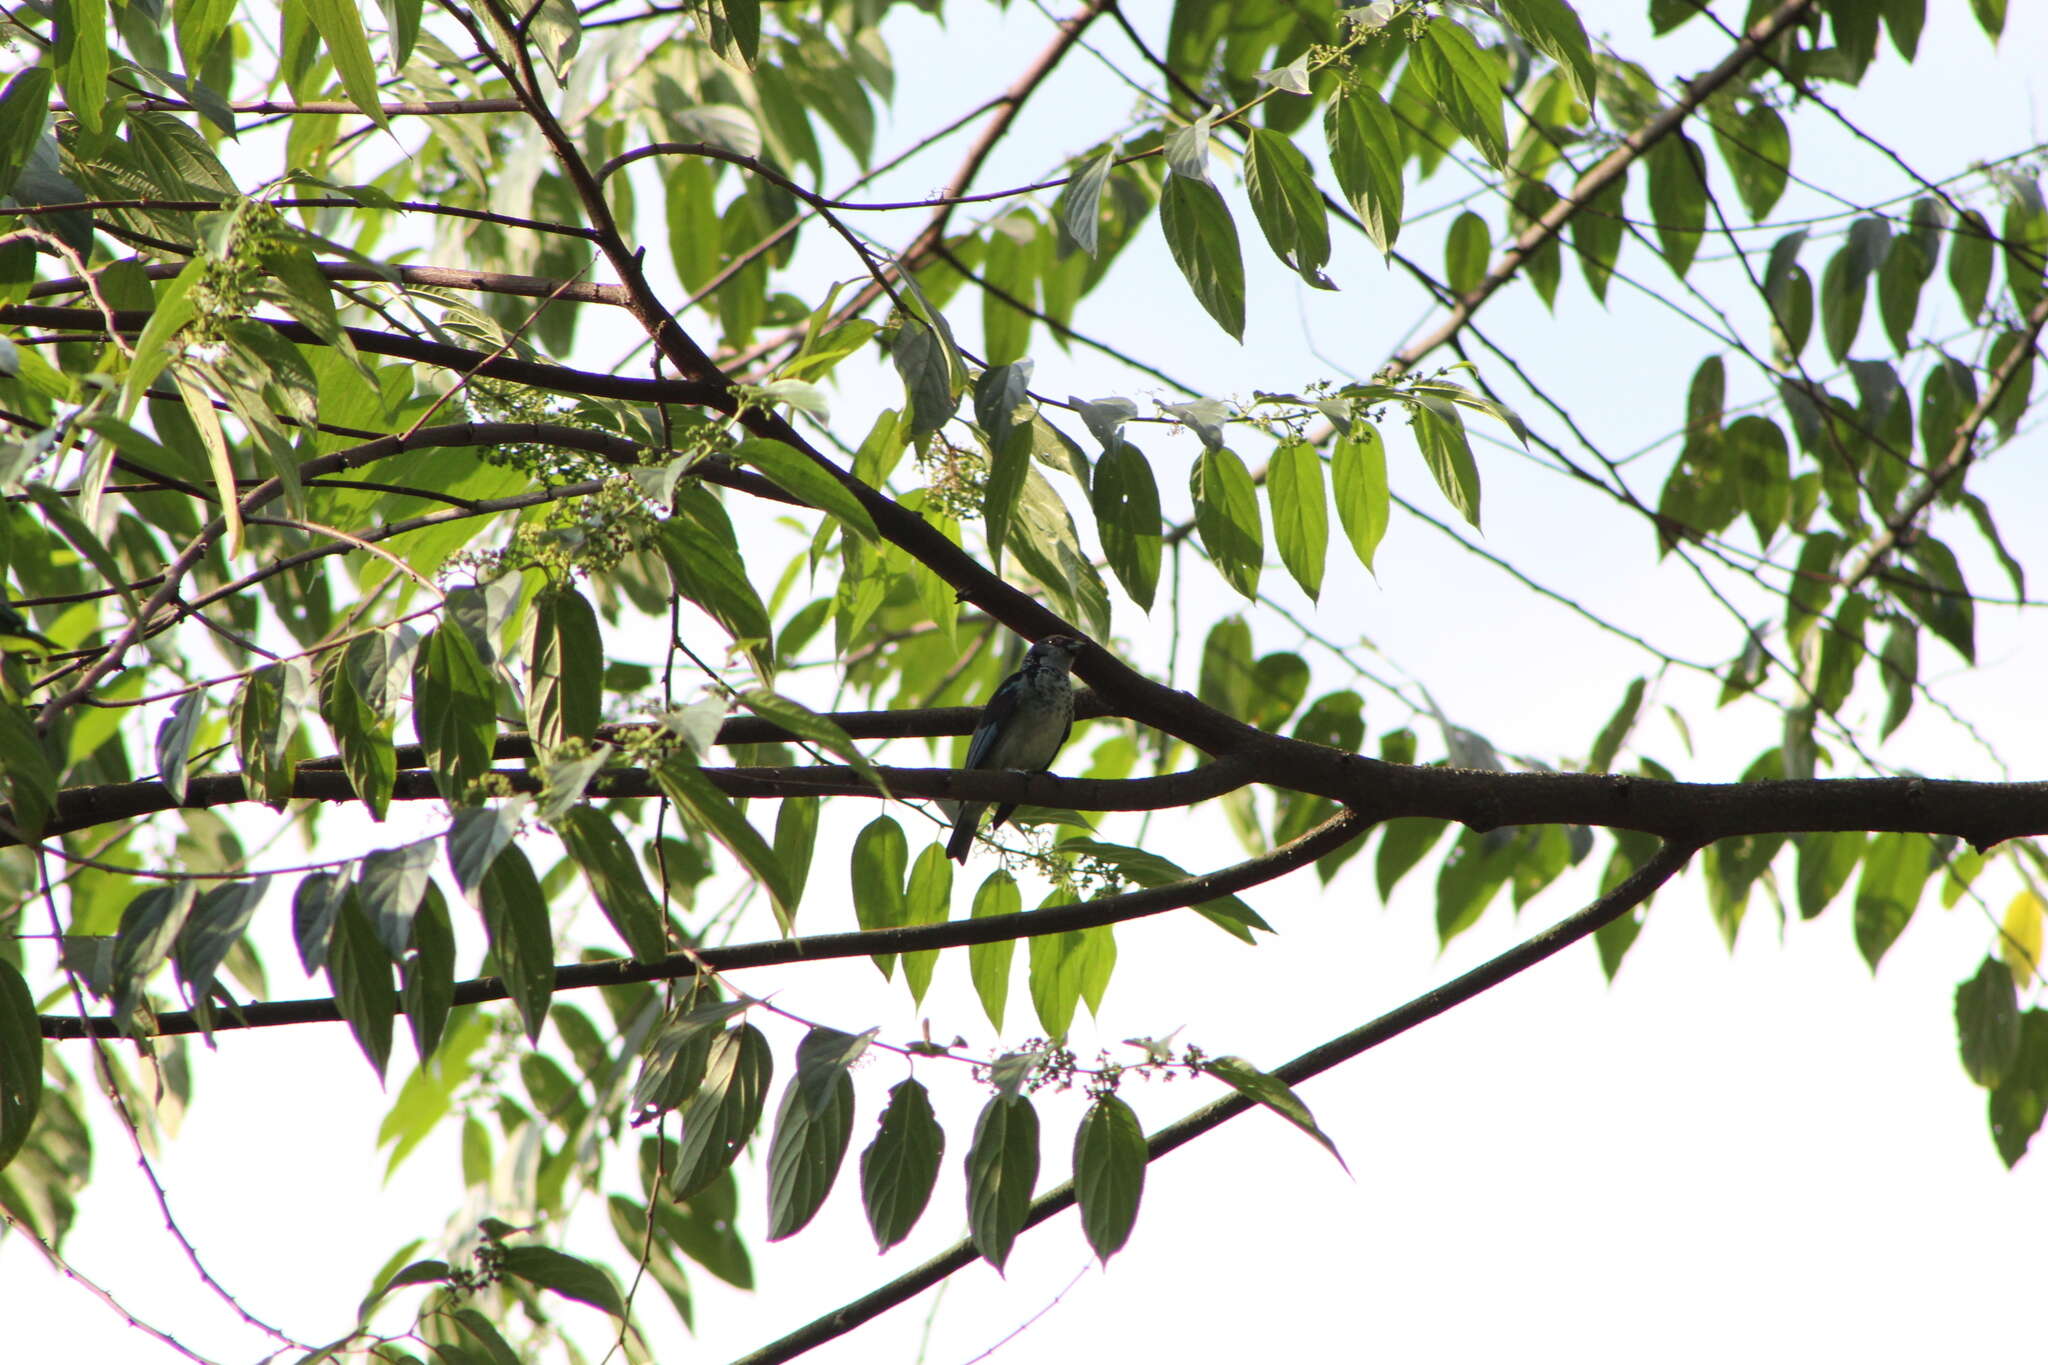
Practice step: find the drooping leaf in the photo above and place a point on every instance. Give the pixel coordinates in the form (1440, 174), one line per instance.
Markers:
(1287, 203)
(1203, 242)
(1227, 518)
(1365, 151)
(1301, 515)
(1126, 505)
(21, 1062)
(1109, 1173)
(899, 1168)
(1002, 1168)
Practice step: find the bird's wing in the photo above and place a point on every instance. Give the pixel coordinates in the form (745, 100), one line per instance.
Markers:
(994, 717)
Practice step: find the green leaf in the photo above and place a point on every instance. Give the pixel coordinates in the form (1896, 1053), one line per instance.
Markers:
(1988, 1023)
(1004, 410)
(1049, 549)
(1406, 840)
(1597, 230)
(315, 907)
(1553, 29)
(564, 668)
(1894, 871)
(1991, 18)
(2021, 1099)
(359, 970)
(723, 1114)
(1203, 243)
(808, 1144)
(31, 780)
(673, 1061)
(569, 1276)
(1678, 200)
(1467, 248)
(21, 1062)
(1899, 667)
(428, 991)
(1109, 1173)
(1059, 964)
(1009, 272)
(706, 568)
(218, 919)
(1440, 432)
(899, 1168)
(1289, 207)
(389, 884)
(989, 963)
(361, 732)
(796, 838)
(1969, 263)
(24, 107)
(80, 56)
(1080, 203)
(1758, 153)
(928, 900)
(1226, 681)
(340, 23)
(1254, 1084)
(802, 478)
(1301, 515)
(880, 856)
(454, 714)
(1358, 482)
(808, 725)
(1279, 682)
(1464, 85)
(1126, 503)
(515, 914)
(1616, 730)
(1366, 153)
(1906, 268)
(1227, 518)
(713, 811)
(1826, 862)
(920, 355)
(1842, 288)
(607, 860)
(1002, 1168)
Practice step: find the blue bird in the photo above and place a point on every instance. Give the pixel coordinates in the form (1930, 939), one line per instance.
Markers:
(1022, 727)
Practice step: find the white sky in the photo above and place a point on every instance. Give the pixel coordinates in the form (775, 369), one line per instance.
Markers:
(1765, 1153)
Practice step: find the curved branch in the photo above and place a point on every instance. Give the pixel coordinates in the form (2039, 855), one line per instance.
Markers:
(1634, 891)
(1325, 838)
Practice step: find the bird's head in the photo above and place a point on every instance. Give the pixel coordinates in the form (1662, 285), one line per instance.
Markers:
(1058, 650)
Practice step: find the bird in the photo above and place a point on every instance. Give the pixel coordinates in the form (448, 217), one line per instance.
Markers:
(1022, 727)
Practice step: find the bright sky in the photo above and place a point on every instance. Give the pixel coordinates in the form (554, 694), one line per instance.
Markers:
(1765, 1153)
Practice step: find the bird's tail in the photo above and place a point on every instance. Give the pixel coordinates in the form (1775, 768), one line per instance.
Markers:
(965, 822)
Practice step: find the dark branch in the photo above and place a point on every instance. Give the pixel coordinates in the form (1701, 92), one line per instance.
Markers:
(1326, 838)
(1610, 907)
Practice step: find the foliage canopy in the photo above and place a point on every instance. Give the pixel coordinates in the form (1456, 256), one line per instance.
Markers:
(420, 421)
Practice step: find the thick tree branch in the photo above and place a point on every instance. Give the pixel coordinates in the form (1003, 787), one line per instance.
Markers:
(1325, 838)
(1633, 892)
(1981, 813)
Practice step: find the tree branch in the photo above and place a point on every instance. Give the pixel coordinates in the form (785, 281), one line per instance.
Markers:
(1633, 892)
(1325, 838)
